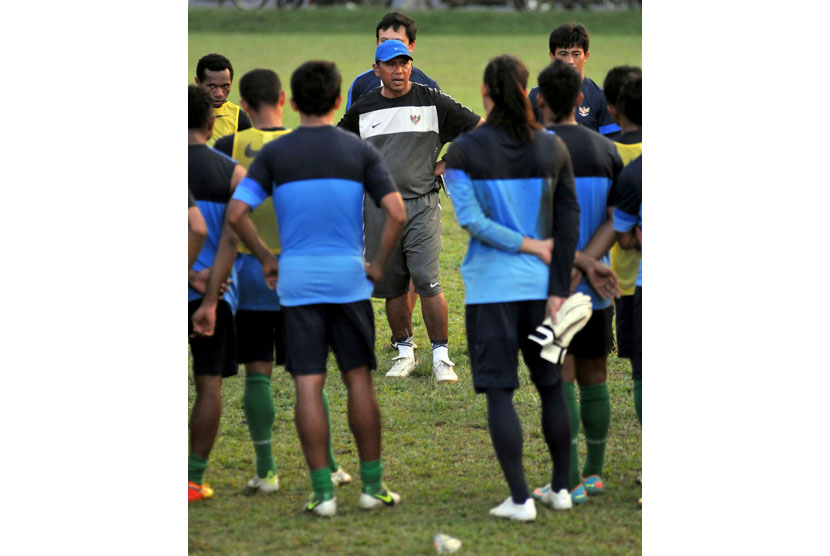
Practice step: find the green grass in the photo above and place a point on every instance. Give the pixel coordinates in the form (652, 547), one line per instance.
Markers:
(436, 450)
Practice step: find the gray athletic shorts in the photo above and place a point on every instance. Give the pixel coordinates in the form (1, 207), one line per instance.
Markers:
(416, 255)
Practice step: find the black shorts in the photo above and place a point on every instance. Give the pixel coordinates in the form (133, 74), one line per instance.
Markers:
(214, 355)
(624, 317)
(637, 355)
(259, 334)
(495, 333)
(596, 339)
(348, 328)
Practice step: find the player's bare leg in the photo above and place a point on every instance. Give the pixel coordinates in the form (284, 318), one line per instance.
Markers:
(434, 309)
(399, 314)
(364, 413)
(204, 418)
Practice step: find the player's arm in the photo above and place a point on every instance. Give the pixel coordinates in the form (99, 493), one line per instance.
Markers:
(627, 214)
(587, 263)
(243, 122)
(565, 230)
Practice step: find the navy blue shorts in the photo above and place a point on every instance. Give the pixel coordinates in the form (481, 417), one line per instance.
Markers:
(624, 317)
(214, 355)
(596, 339)
(495, 333)
(637, 355)
(348, 328)
(260, 336)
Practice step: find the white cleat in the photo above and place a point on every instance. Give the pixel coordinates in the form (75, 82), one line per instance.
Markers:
(517, 512)
(340, 477)
(327, 508)
(444, 371)
(557, 500)
(383, 499)
(402, 367)
(271, 483)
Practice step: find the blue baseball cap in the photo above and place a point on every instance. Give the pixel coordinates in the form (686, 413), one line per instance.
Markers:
(391, 49)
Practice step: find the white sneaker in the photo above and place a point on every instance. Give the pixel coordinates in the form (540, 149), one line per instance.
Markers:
(383, 499)
(340, 477)
(444, 371)
(271, 483)
(402, 367)
(557, 500)
(326, 508)
(518, 512)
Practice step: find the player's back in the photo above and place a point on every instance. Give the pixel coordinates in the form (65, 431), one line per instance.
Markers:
(317, 177)
(209, 179)
(513, 185)
(596, 165)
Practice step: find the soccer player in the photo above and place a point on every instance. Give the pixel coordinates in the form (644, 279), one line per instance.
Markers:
(569, 43)
(409, 123)
(623, 90)
(513, 190)
(196, 231)
(317, 175)
(628, 224)
(259, 323)
(392, 26)
(212, 178)
(596, 165)
(214, 73)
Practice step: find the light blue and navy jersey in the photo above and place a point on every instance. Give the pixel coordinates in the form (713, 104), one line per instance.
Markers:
(629, 210)
(592, 112)
(367, 81)
(503, 189)
(317, 177)
(209, 175)
(596, 164)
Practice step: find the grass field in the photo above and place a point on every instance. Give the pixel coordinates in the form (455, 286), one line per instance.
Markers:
(437, 452)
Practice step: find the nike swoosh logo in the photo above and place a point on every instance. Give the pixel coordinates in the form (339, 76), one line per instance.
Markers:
(220, 115)
(377, 124)
(249, 152)
(386, 499)
(431, 285)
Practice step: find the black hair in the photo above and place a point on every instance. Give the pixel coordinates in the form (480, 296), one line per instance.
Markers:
(395, 20)
(567, 35)
(315, 86)
(506, 80)
(260, 87)
(212, 62)
(199, 107)
(559, 85)
(614, 81)
(631, 100)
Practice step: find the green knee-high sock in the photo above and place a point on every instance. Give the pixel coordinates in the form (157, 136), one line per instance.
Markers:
(196, 469)
(573, 411)
(332, 460)
(258, 404)
(638, 400)
(596, 420)
(371, 473)
(321, 482)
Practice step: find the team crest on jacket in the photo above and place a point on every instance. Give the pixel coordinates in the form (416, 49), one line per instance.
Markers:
(415, 118)
(584, 111)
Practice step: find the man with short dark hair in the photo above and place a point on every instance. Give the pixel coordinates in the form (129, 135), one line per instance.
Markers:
(596, 165)
(393, 26)
(409, 123)
(259, 322)
(569, 43)
(214, 74)
(317, 176)
(212, 178)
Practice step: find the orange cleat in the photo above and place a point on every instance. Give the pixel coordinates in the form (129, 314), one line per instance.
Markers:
(198, 492)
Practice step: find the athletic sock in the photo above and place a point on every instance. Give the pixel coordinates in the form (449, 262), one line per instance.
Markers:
(557, 432)
(596, 420)
(440, 351)
(258, 404)
(371, 473)
(332, 460)
(405, 347)
(321, 482)
(573, 411)
(506, 434)
(196, 469)
(638, 400)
